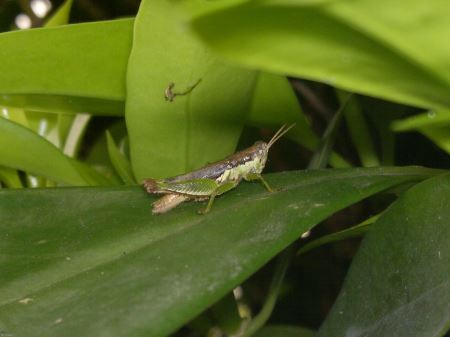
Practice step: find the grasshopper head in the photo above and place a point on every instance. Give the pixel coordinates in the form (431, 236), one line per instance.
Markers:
(260, 149)
(258, 156)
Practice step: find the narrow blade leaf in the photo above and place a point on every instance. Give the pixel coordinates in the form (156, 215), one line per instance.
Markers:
(25, 150)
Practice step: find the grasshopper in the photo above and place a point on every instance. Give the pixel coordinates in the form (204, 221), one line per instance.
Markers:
(214, 179)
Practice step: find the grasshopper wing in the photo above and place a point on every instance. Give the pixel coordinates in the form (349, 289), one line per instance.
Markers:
(193, 187)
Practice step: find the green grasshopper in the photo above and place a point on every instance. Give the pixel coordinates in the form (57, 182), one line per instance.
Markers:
(213, 179)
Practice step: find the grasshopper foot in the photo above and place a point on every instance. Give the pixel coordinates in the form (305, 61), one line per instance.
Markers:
(208, 207)
(256, 176)
(203, 211)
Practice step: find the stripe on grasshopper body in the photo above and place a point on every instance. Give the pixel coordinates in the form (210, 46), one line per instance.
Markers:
(213, 179)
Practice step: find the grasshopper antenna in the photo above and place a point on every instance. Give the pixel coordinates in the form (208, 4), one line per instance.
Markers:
(280, 133)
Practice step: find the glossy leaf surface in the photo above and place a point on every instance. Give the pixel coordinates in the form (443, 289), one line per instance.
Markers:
(173, 136)
(96, 262)
(399, 281)
(377, 48)
(67, 68)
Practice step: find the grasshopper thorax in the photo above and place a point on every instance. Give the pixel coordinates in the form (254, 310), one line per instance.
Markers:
(259, 157)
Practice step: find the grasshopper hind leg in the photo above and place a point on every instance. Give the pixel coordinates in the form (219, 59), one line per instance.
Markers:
(168, 202)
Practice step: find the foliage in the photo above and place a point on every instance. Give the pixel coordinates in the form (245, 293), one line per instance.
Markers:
(89, 110)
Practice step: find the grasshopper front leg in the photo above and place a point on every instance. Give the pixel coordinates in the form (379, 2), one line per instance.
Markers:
(256, 176)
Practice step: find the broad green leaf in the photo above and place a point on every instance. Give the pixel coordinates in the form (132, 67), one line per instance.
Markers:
(434, 125)
(42, 124)
(439, 135)
(284, 331)
(398, 284)
(431, 118)
(172, 137)
(96, 262)
(45, 124)
(393, 51)
(119, 161)
(67, 68)
(64, 121)
(10, 176)
(23, 149)
(193, 10)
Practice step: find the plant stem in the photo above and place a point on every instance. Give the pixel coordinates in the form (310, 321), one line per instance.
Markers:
(283, 261)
